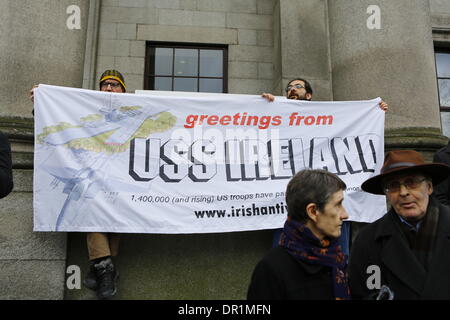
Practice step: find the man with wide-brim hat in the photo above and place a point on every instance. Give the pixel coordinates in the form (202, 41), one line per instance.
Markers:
(407, 249)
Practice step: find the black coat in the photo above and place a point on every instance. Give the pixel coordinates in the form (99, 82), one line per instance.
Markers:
(442, 190)
(279, 276)
(382, 244)
(6, 179)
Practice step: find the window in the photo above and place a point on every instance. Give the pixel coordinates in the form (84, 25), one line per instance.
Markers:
(186, 67)
(443, 78)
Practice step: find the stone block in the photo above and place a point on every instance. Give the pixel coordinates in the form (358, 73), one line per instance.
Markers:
(247, 37)
(265, 71)
(265, 6)
(130, 65)
(17, 239)
(117, 48)
(249, 86)
(191, 18)
(278, 87)
(249, 21)
(105, 63)
(110, 3)
(440, 21)
(126, 31)
(134, 81)
(264, 38)
(32, 279)
(243, 6)
(250, 53)
(440, 6)
(187, 34)
(240, 69)
(23, 181)
(137, 49)
(107, 30)
(188, 4)
(129, 15)
(132, 3)
(164, 4)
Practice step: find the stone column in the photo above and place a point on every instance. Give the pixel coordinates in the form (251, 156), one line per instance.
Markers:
(301, 45)
(36, 46)
(395, 62)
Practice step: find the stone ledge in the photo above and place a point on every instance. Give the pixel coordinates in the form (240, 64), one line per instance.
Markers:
(17, 128)
(422, 139)
(20, 132)
(415, 138)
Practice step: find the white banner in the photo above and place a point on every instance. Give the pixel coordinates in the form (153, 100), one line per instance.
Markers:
(131, 163)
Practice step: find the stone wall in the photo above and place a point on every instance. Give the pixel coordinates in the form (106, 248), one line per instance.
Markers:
(35, 47)
(244, 25)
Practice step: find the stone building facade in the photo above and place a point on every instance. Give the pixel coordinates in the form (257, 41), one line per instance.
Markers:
(348, 49)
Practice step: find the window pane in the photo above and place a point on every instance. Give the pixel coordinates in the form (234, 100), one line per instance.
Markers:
(444, 92)
(211, 63)
(211, 85)
(445, 118)
(163, 83)
(186, 62)
(443, 64)
(183, 84)
(163, 61)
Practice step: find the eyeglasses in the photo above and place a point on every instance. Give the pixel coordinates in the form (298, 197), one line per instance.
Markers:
(112, 84)
(298, 86)
(410, 183)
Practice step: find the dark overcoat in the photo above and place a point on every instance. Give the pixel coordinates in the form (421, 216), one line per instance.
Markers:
(442, 190)
(6, 177)
(382, 244)
(279, 276)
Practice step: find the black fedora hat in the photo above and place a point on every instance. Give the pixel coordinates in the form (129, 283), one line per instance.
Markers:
(399, 161)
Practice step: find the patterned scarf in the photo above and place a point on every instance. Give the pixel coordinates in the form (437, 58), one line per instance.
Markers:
(301, 243)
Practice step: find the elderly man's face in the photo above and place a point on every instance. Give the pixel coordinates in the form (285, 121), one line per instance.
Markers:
(408, 194)
(292, 92)
(111, 85)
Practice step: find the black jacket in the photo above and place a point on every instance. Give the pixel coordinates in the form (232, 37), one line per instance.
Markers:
(382, 244)
(6, 179)
(279, 276)
(442, 190)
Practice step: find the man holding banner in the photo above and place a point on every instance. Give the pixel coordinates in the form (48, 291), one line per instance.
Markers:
(102, 275)
(300, 89)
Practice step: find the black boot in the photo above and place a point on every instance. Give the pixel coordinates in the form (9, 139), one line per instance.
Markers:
(106, 275)
(90, 281)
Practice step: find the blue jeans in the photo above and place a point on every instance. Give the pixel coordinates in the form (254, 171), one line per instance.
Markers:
(343, 240)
